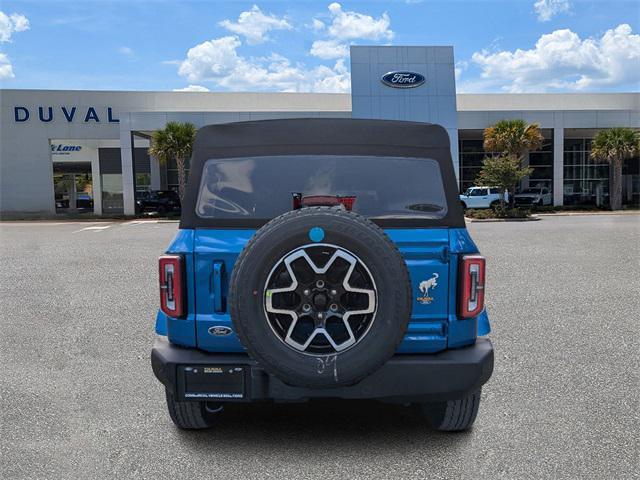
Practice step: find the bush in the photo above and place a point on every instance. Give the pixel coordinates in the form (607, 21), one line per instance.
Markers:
(499, 212)
(514, 213)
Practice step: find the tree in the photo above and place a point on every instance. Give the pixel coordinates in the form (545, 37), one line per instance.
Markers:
(174, 141)
(504, 172)
(512, 137)
(614, 146)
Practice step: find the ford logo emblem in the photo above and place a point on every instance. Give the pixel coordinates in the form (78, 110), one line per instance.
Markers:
(220, 331)
(402, 79)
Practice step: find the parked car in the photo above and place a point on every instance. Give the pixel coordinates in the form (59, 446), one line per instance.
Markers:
(84, 200)
(160, 201)
(351, 276)
(482, 197)
(534, 196)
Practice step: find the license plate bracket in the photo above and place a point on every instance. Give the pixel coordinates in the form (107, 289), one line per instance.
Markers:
(212, 382)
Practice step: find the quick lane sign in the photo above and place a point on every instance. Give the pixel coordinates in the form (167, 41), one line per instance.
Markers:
(62, 149)
(46, 114)
(402, 79)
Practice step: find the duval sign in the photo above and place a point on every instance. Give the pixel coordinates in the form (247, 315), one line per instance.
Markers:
(70, 114)
(401, 79)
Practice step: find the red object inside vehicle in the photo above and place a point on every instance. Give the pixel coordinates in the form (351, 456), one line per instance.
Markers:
(323, 201)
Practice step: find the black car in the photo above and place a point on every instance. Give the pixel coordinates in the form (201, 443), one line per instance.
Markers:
(160, 201)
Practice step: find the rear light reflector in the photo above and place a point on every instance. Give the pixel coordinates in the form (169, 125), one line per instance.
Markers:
(471, 286)
(172, 286)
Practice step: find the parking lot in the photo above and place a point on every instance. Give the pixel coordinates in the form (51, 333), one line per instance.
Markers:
(79, 400)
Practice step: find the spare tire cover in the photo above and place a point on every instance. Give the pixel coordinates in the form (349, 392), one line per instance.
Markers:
(320, 297)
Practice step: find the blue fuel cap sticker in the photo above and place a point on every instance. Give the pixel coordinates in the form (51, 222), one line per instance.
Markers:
(316, 234)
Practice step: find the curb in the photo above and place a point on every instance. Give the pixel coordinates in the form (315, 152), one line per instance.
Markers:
(495, 220)
(572, 214)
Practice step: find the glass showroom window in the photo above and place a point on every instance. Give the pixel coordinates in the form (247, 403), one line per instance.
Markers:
(142, 165)
(143, 182)
(542, 163)
(471, 156)
(112, 199)
(586, 182)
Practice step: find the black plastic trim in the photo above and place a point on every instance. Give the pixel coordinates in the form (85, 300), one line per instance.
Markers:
(448, 375)
(322, 136)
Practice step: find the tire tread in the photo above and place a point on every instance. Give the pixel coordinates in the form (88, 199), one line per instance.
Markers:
(454, 415)
(188, 415)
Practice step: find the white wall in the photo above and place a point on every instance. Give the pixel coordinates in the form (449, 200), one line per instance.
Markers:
(26, 175)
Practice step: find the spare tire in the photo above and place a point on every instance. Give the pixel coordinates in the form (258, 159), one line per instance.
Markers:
(320, 297)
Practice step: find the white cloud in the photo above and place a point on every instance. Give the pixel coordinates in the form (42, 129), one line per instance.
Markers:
(192, 88)
(460, 67)
(547, 9)
(329, 49)
(6, 70)
(317, 25)
(254, 25)
(214, 58)
(218, 61)
(347, 25)
(561, 60)
(10, 24)
(125, 51)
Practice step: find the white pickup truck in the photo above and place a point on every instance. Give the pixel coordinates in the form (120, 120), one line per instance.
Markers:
(482, 197)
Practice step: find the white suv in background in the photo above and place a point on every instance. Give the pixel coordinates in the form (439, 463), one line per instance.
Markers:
(482, 197)
(533, 196)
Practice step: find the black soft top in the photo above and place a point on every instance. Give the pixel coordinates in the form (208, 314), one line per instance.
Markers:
(323, 136)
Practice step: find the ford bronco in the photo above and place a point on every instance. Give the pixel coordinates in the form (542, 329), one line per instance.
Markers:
(322, 258)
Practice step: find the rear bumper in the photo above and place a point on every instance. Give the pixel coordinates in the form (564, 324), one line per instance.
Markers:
(447, 375)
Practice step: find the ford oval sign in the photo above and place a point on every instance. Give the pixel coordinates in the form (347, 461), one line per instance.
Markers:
(403, 79)
(220, 331)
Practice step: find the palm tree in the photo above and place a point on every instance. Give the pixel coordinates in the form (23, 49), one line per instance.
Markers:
(614, 146)
(513, 139)
(174, 141)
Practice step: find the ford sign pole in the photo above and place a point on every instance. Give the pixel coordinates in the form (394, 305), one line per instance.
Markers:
(401, 79)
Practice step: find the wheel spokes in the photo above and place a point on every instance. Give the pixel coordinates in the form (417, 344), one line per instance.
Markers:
(320, 318)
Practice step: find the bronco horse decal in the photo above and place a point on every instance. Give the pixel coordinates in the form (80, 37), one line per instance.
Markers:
(424, 287)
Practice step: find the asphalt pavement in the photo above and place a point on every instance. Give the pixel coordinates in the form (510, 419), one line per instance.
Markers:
(78, 399)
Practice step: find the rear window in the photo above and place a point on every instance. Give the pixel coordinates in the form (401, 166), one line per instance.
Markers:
(263, 187)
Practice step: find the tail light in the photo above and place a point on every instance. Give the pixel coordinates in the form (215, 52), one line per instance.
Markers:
(471, 286)
(172, 285)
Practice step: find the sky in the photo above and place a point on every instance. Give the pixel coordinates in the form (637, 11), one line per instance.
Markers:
(160, 45)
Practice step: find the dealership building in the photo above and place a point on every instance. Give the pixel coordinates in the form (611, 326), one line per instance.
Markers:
(67, 151)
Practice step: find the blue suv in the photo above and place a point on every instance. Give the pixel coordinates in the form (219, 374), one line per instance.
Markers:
(322, 258)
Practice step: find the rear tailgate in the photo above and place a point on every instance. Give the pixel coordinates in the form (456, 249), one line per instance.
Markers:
(426, 254)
